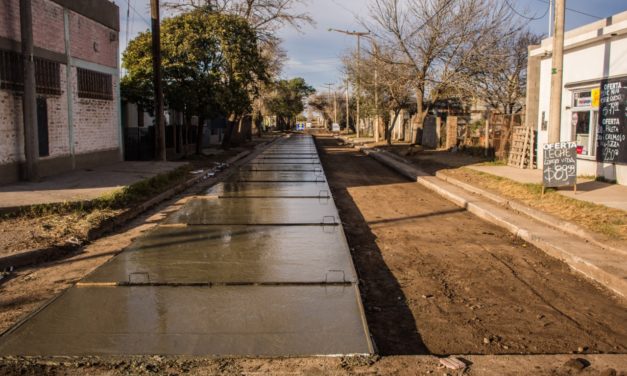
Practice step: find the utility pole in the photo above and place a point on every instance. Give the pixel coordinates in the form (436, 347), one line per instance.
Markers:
(160, 152)
(29, 101)
(348, 118)
(550, 18)
(358, 34)
(376, 90)
(329, 86)
(555, 113)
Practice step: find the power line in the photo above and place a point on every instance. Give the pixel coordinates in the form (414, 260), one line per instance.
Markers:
(140, 15)
(575, 10)
(526, 17)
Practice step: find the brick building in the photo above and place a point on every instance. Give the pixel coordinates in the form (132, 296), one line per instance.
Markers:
(77, 84)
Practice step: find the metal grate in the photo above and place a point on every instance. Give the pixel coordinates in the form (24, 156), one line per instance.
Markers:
(47, 74)
(94, 85)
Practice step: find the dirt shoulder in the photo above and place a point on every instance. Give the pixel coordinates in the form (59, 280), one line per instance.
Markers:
(438, 280)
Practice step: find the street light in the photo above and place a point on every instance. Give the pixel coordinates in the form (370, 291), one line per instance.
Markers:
(358, 34)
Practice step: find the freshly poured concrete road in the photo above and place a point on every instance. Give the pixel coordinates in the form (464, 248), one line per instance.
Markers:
(250, 269)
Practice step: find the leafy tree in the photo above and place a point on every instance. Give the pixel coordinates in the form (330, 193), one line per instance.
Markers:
(211, 66)
(288, 100)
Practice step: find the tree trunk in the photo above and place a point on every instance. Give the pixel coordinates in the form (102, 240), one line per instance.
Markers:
(506, 138)
(199, 135)
(421, 114)
(390, 129)
(232, 120)
(188, 124)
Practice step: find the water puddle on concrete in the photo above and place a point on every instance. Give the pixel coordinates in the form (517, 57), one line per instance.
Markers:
(232, 254)
(269, 190)
(279, 176)
(250, 269)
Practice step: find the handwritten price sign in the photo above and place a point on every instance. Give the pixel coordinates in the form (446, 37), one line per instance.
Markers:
(560, 164)
(612, 129)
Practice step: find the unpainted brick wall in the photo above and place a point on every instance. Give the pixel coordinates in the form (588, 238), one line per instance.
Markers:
(91, 41)
(95, 121)
(86, 35)
(48, 28)
(11, 126)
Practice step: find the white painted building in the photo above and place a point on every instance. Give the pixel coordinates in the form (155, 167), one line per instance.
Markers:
(594, 54)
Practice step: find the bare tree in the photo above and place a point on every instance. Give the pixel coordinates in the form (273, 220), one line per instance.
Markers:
(440, 41)
(501, 83)
(264, 16)
(391, 87)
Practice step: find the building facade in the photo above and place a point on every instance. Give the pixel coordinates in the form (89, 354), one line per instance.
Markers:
(595, 69)
(77, 85)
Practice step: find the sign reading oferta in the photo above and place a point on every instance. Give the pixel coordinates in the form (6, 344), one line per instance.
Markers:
(612, 130)
(560, 164)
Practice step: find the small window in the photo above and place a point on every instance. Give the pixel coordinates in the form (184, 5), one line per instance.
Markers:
(582, 99)
(94, 85)
(47, 74)
(584, 119)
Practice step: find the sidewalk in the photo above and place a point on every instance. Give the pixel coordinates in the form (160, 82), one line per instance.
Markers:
(610, 195)
(82, 185)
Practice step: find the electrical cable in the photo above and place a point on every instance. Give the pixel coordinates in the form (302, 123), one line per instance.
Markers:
(527, 17)
(575, 11)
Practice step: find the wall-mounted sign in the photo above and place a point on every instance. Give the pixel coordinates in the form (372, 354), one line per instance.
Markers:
(560, 164)
(596, 97)
(612, 129)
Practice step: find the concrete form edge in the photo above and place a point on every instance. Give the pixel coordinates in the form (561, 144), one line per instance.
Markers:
(613, 282)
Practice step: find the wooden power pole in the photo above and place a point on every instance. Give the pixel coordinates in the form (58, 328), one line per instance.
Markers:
(358, 91)
(29, 101)
(160, 152)
(555, 113)
(348, 118)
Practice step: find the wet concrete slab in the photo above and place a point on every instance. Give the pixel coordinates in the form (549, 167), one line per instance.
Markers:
(267, 211)
(285, 161)
(266, 190)
(294, 153)
(296, 157)
(251, 269)
(197, 321)
(279, 176)
(232, 255)
(281, 167)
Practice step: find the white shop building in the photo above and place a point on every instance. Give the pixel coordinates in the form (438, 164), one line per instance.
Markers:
(595, 67)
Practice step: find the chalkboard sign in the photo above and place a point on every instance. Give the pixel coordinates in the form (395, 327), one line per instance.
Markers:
(612, 129)
(560, 164)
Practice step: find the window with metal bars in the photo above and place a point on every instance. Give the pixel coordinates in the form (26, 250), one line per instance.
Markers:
(94, 85)
(47, 74)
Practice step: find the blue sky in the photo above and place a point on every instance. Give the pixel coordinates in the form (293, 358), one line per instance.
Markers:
(315, 53)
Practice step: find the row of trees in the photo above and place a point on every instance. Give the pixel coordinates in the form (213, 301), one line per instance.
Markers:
(219, 59)
(422, 52)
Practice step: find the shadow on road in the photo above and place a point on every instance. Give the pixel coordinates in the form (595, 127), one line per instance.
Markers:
(390, 320)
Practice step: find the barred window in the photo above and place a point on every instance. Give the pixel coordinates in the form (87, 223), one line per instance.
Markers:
(94, 85)
(47, 74)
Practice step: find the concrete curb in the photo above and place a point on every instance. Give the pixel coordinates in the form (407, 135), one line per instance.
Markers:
(554, 242)
(548, 219)
(37, 256)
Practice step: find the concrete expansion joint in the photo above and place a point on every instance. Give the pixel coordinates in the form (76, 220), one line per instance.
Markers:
(321, 283)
